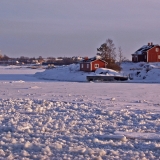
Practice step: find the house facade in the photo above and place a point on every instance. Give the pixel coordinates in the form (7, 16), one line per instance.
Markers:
(147, 53)
(90, 65)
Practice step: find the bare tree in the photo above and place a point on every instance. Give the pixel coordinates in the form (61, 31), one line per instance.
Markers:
(40, 59)
(1, 56)
(121, 58)
(5, 58)
(107, 51)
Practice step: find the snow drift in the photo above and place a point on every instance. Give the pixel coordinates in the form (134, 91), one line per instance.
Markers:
(142, 72)
(72, 73)
(138, 72)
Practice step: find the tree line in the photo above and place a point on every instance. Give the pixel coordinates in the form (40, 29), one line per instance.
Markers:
(107, 51)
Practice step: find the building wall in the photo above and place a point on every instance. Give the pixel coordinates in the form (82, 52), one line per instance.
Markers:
(141, 58)
(88, 67)
(134, 58)
(85, 67)
(154, 54)
(145, 57)
(101, 64)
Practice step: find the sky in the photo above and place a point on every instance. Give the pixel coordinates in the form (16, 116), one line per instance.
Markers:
(55, 28)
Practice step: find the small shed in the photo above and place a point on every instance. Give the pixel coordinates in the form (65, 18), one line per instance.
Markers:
(147, 53)
(91, 64)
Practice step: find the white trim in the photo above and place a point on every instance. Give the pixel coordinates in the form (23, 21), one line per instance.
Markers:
(96, 60)
(147, 56)
(153, 47)
(91, 66)
(157, 49)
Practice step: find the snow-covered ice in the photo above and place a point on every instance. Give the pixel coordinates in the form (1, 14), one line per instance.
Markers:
(75, 120)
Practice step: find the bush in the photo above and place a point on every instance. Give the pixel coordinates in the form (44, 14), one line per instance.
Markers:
(114, 66)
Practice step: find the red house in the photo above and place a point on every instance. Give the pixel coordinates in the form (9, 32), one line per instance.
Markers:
(147, 53)
(90, 65)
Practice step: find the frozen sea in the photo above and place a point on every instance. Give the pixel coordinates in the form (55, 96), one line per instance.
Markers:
(46, 119)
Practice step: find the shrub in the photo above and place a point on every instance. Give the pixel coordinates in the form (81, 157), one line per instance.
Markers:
(114, 66)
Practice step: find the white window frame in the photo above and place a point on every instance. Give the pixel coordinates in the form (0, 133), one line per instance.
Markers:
(81, 65)
(157, 49)
(96, 65)
(87, 65)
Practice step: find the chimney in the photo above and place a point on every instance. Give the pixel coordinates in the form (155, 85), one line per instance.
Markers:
(149, 44)
(85, 58)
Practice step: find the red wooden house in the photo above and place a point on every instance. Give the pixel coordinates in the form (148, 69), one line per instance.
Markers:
(147, 53)
(90, 65)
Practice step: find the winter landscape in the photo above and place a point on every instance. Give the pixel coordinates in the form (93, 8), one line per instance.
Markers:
(57, 114)
(79, 80)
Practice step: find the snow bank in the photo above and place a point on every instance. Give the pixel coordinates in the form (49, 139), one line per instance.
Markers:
(142, 72)
(107, 72)
(138, 72)
(64, 73)
(72, 73)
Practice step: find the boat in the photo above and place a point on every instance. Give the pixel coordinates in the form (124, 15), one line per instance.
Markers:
(106, 78)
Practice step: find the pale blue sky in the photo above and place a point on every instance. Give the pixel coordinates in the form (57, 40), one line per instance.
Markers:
(76, 28)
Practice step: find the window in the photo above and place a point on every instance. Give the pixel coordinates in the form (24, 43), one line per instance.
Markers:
(157, 49)
(81, 65)
(158, 56)
(145, 57)
(87, 65)
(96, 65)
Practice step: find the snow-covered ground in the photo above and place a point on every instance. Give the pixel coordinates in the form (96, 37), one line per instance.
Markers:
(77, 120)
(142, 72)
(72, 73)
(138, 72)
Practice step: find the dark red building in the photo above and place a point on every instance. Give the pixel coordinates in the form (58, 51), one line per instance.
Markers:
(90, 65)
(147, 53)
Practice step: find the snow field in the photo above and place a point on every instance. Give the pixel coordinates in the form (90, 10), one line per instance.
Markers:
(71, 120)
(47, 129)
(139, 72)
(142, 71)
(64, 73)
(72, 73)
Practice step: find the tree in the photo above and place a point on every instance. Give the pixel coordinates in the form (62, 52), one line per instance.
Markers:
(40, 59)
(1, 57)
(5, 58)
(121, 58)
(107, 51)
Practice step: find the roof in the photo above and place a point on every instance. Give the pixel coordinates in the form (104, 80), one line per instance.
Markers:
(144, 48)
(89, 60)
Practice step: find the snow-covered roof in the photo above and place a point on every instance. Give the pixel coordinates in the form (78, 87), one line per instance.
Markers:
(144, 49)
(92, 59)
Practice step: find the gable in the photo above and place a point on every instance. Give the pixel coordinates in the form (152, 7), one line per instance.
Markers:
(99, 61)
(155, 49)
(93, 60)
(143, 49)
